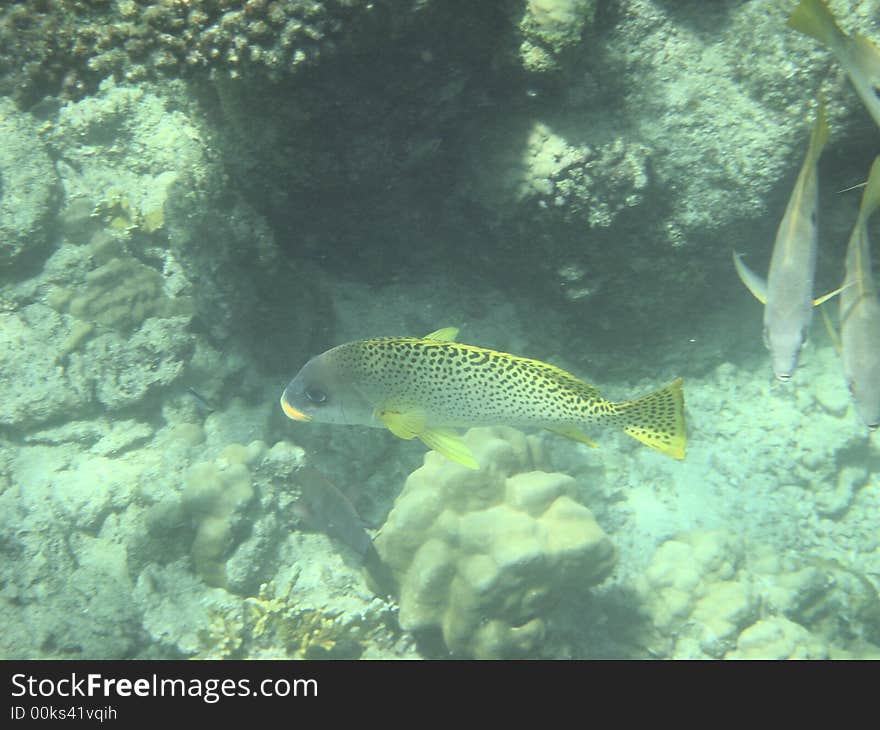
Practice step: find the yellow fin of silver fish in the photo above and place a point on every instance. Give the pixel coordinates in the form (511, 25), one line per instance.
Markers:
(852, 187)
(818, 301)
(445, 334)
(575, 434)
(754, 283)
(450, 444)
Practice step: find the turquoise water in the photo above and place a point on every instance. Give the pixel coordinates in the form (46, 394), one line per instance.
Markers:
(194, 202)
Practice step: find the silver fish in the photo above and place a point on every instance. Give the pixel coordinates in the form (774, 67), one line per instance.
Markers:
(860, 312)
(787, 294)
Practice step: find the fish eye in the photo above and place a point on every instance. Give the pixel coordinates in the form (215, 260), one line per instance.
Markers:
(316, 396)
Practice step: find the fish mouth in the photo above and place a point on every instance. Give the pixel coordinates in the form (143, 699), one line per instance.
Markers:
(292, 412)
(873, 426)
(783, 377)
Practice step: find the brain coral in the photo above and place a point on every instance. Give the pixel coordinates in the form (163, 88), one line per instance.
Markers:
(483, 555)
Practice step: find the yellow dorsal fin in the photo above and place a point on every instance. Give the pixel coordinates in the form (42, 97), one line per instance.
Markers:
(450, 444)
(575, 434)
(405, 425)
(445, 334)
(754, 283)
(832, 333)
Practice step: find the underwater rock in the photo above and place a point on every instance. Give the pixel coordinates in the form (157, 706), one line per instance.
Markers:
(317, 606)
(254, 559)
(126, 152)
(27, 185)
(708, 594)
(549, 27)
(482, 555)
(36, 390)
(829, 386)
(184, 618)
(778, 638)
(85, 493)
(121, 294)
(66, 596)
(214, 495)
(122, 436)
(313, 606)
(694, 597)
(67, 48)
(90, 617)
(833, 502)
(557, 178)
(121, 372)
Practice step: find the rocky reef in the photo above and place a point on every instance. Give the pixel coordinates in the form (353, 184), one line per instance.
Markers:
(197, 197)
(482, 557)
(71, 46)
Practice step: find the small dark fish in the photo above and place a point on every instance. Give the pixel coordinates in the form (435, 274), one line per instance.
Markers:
(327, 509)
(201, 400)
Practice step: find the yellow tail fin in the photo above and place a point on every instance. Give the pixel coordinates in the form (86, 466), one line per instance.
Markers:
(657, 420)
(813, 18)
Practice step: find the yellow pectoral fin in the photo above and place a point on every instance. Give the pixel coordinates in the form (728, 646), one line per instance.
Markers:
(446, 334)
(754, 283)
(406, 425)
(450, 444)
(575, 434)
(832, 333)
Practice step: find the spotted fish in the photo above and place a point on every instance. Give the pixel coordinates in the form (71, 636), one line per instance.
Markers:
(424, 387)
